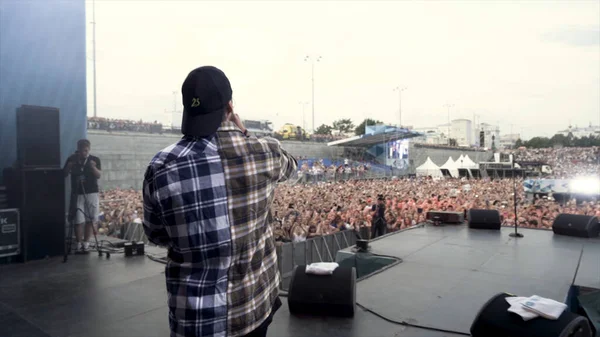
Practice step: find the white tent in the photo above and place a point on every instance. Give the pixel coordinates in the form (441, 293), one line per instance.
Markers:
(468, 163)
(464, 162)
(451, 166)
(429, 168)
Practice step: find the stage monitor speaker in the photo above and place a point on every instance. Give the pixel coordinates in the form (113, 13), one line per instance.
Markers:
(38, 136)
(446, 217)
(583, 226)
(42, 213)
(484, 219)
(323, 295)
(494, 320)
(362, 245)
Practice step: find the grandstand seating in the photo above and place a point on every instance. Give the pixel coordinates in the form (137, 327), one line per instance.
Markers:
(374, 168)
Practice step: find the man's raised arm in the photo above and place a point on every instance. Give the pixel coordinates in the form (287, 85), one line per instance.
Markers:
(289, 165)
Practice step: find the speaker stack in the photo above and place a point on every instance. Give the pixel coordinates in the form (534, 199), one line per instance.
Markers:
(484, 219)
(41, 185)
(38, 137)
(494, 320)
(481, 139)
(323, 295)
(583, 226)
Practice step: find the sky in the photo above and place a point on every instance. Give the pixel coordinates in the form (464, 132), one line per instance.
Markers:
(530, 67)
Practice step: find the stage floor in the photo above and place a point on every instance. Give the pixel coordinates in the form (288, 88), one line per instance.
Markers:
(447, 275)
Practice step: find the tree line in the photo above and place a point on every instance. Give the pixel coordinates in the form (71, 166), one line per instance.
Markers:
(560, 140)
(345, 125)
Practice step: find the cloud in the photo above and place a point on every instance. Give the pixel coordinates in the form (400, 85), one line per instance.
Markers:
(575, 36)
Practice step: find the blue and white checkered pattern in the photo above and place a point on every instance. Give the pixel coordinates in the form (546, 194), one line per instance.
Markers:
(207, 200)
(185, 209)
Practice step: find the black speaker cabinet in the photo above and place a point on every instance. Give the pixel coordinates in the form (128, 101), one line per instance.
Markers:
(323, 295)
(494, 320)
(583, 226)
(42, 213)
(38, 136)
(484, 219)
(12, 181)
(446, 217)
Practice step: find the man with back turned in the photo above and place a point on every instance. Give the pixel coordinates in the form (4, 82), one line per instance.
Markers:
(207, 199)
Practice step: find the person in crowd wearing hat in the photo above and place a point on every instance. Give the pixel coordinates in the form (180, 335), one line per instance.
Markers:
(378, 225)
(207, 199)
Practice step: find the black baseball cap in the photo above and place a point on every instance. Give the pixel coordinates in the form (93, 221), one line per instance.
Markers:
(205, 92)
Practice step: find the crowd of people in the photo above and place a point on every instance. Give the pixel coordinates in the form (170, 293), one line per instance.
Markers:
(302, 211)
(112, 125)
(319, 171)
(305, 211)
(566, 162)
(118, 209)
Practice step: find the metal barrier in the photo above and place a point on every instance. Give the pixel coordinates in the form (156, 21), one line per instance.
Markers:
(318, 249)
(290, 254)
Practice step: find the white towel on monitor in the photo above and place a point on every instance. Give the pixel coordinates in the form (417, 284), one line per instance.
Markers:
(535, 306)
(544, 307)
(321, 268)
(517, 308)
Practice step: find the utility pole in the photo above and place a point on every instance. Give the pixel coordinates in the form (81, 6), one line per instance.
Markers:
(400, 89)
(94, 51)
(312, 60)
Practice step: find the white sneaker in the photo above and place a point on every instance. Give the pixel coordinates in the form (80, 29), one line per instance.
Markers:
(86, 246)
(78, 246)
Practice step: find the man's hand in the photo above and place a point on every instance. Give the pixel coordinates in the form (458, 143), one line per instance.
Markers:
(95, 169)
(237, 121)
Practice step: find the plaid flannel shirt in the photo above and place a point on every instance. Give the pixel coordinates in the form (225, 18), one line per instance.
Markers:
(208, 200)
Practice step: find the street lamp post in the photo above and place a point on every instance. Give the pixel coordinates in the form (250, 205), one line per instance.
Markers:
(312, 60)
(448, 136)
(516, 234)
(303, 104)
(400, 89)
